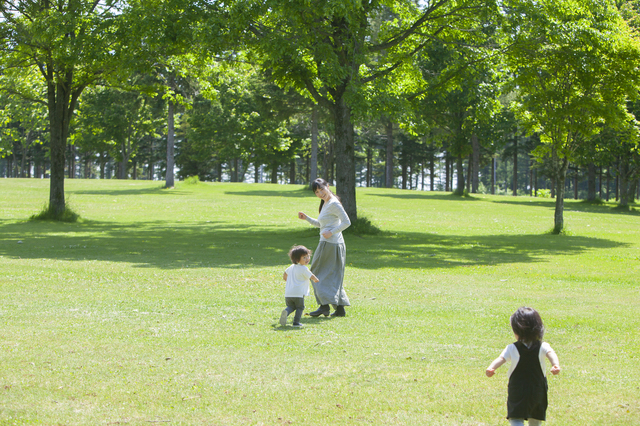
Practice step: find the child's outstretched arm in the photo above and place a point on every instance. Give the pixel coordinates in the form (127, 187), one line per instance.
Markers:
(491, 370)
(555, 362)
(314, 278)
(284, 277)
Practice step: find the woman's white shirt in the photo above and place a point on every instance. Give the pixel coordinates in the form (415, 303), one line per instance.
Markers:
(332, 218)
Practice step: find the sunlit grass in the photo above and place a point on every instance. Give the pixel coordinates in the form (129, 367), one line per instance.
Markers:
(161, 305)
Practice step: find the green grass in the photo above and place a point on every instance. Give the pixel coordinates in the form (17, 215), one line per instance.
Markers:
(162, 306)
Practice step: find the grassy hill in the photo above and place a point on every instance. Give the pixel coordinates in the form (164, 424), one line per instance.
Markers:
(162, 306)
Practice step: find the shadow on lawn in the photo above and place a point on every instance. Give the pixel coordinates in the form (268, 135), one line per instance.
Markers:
(159, 190)
(301, 192)
(167, 245)
(547, 203)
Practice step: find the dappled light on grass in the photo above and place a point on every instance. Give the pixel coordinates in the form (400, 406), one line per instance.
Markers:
(168, 245)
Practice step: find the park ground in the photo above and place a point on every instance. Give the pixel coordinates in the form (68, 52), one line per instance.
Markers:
(162, 306)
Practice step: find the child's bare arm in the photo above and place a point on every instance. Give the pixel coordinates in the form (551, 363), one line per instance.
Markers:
(491, 370)
(555, 362)
(314, 278)
(284, 277)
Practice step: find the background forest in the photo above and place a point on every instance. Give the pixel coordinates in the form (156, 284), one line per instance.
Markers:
(513, 97)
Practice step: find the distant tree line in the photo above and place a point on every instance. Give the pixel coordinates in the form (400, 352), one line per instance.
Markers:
(476, 96)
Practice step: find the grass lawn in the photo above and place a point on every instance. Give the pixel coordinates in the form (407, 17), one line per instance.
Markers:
(162, 306)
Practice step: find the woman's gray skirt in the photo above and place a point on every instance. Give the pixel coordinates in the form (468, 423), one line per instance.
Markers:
(328, 265)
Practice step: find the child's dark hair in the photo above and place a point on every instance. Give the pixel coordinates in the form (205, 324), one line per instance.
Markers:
(527, 325)
(298, 252)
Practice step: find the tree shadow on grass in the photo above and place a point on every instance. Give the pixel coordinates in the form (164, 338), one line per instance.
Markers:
(301, 192)
(427, 196)
(167, 245)
(571, 206)
(547, 203)
(159, 190)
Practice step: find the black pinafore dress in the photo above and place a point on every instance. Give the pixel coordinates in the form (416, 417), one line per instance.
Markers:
(527, 386)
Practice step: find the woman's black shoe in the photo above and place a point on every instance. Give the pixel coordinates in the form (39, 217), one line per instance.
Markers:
(322, 310)
(339, 312)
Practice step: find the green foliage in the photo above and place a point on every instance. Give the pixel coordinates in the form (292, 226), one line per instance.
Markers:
(192, 180)
(362, 226)
(543, 193)
(48, 213)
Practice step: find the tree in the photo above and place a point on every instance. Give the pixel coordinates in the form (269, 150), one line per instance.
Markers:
(575, 64)
(71, 44)
(324, 48)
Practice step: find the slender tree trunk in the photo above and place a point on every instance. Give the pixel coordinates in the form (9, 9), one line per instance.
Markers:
(369, 166)
(389, 155)
(170, 183)
(460, 178)
(274, 172)
(560, 167)
(61, 103)
(403, 173)
(591, 182)
(432, 171)
(469, 172)
(475, 144)
(575, 185)
(493, 175)
(313, 173)
(292, 172)
(515, 166)
(608, 180)
(624, 184)
(447, 176)
(618, 181)
(256, 172)
(600, 182)
(345, 159)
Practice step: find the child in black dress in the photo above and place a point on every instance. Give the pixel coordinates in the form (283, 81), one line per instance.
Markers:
(527, 399)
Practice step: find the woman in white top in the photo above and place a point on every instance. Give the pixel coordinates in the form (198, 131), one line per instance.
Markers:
(329, 258)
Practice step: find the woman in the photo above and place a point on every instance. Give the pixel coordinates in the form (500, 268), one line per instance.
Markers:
(329, 258)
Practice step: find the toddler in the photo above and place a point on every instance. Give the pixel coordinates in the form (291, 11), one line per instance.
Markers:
(297, 277)
(527, 396)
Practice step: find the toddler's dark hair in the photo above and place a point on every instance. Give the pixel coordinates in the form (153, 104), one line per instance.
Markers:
(298, 252)
(527, 325)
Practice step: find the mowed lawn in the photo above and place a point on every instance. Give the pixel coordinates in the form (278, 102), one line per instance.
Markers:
(162, 306)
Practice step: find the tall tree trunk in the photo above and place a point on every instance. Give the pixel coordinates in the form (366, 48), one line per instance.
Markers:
(61, 103)
(388, 183)
(515, 166)
(475, 144)
(560, 167)
(313, 173)
(493, 175)
(256, 172)
(345, 159)
(432, 171)
(624, 184)
(460, 178)
(591, 182)
(600, 182)
(170, 183)
(447, 173)
(292, 172)
(403, 173)
(369, 165)
(469, 172)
